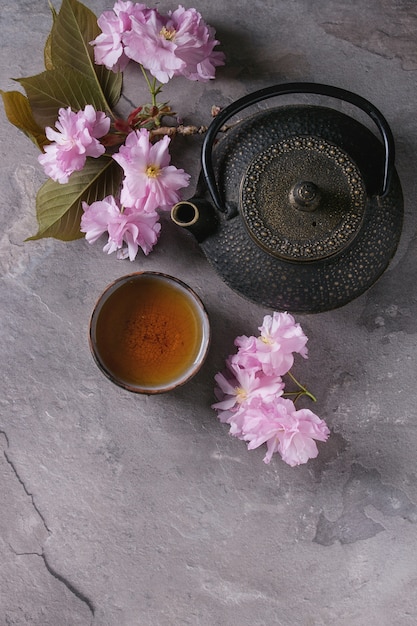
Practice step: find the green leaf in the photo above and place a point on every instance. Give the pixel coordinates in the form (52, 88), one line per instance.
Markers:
(74, 28)
(47, 54)
(59, 207)
(19, 113)
(53, 89)
(47, 49)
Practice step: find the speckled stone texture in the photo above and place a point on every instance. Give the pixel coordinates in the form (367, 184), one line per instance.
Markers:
(126, 510)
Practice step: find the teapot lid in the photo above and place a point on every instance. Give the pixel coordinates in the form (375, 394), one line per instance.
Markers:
(303, 199)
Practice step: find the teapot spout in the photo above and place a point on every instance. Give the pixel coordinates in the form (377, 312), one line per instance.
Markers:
(196, 215)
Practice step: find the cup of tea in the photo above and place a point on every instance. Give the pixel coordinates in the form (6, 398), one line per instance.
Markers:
(149, 332)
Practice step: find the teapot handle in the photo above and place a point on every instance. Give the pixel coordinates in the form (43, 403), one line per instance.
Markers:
(290, 88)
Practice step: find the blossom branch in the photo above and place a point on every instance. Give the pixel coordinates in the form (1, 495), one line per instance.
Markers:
(178, 43)
(252, 399)
(171, 131)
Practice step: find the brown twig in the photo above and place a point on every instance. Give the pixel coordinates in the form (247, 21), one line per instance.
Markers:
(171, 131)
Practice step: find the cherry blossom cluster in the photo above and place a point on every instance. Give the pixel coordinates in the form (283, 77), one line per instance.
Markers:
(150, 184)
(76, 137)
(177, 44)
(251, 394)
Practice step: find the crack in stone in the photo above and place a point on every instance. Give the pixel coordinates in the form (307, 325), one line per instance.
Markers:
(23, 553)
(5, 436)
(27, 492)
(79, 594)
(76, 592)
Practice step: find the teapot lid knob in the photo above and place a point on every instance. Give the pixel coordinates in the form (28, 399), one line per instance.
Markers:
(305, 195)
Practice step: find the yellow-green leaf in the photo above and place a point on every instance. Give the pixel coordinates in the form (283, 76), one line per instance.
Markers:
(19, 113)
(47, 54)
(74, 28)
(47, 49)
(53, 89)
(59, 207)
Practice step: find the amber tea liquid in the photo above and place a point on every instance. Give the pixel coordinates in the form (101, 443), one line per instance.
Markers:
(148, 332)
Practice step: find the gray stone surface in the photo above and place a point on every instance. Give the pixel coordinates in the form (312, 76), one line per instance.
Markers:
(125, 510)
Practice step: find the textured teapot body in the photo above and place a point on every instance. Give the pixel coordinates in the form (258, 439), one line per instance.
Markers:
(299, 207)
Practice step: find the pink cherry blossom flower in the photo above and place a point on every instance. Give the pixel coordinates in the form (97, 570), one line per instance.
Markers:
(180, 43)
(254, 408)
(298, 443)
(250, 418)
(151, 44)
(239, 386)
(195, 42)
(286, 430)
(247, 354)
(150, 181)
(273, 350)
(75, 138)
(127, 230)
(109, 49)
(280, 338)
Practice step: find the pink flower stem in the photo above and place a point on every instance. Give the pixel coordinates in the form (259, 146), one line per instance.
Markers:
(303, 390)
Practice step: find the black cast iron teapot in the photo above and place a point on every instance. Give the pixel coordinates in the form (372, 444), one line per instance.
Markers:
(299, 208)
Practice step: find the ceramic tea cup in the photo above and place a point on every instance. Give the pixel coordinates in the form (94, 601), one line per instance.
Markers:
(149, 332)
